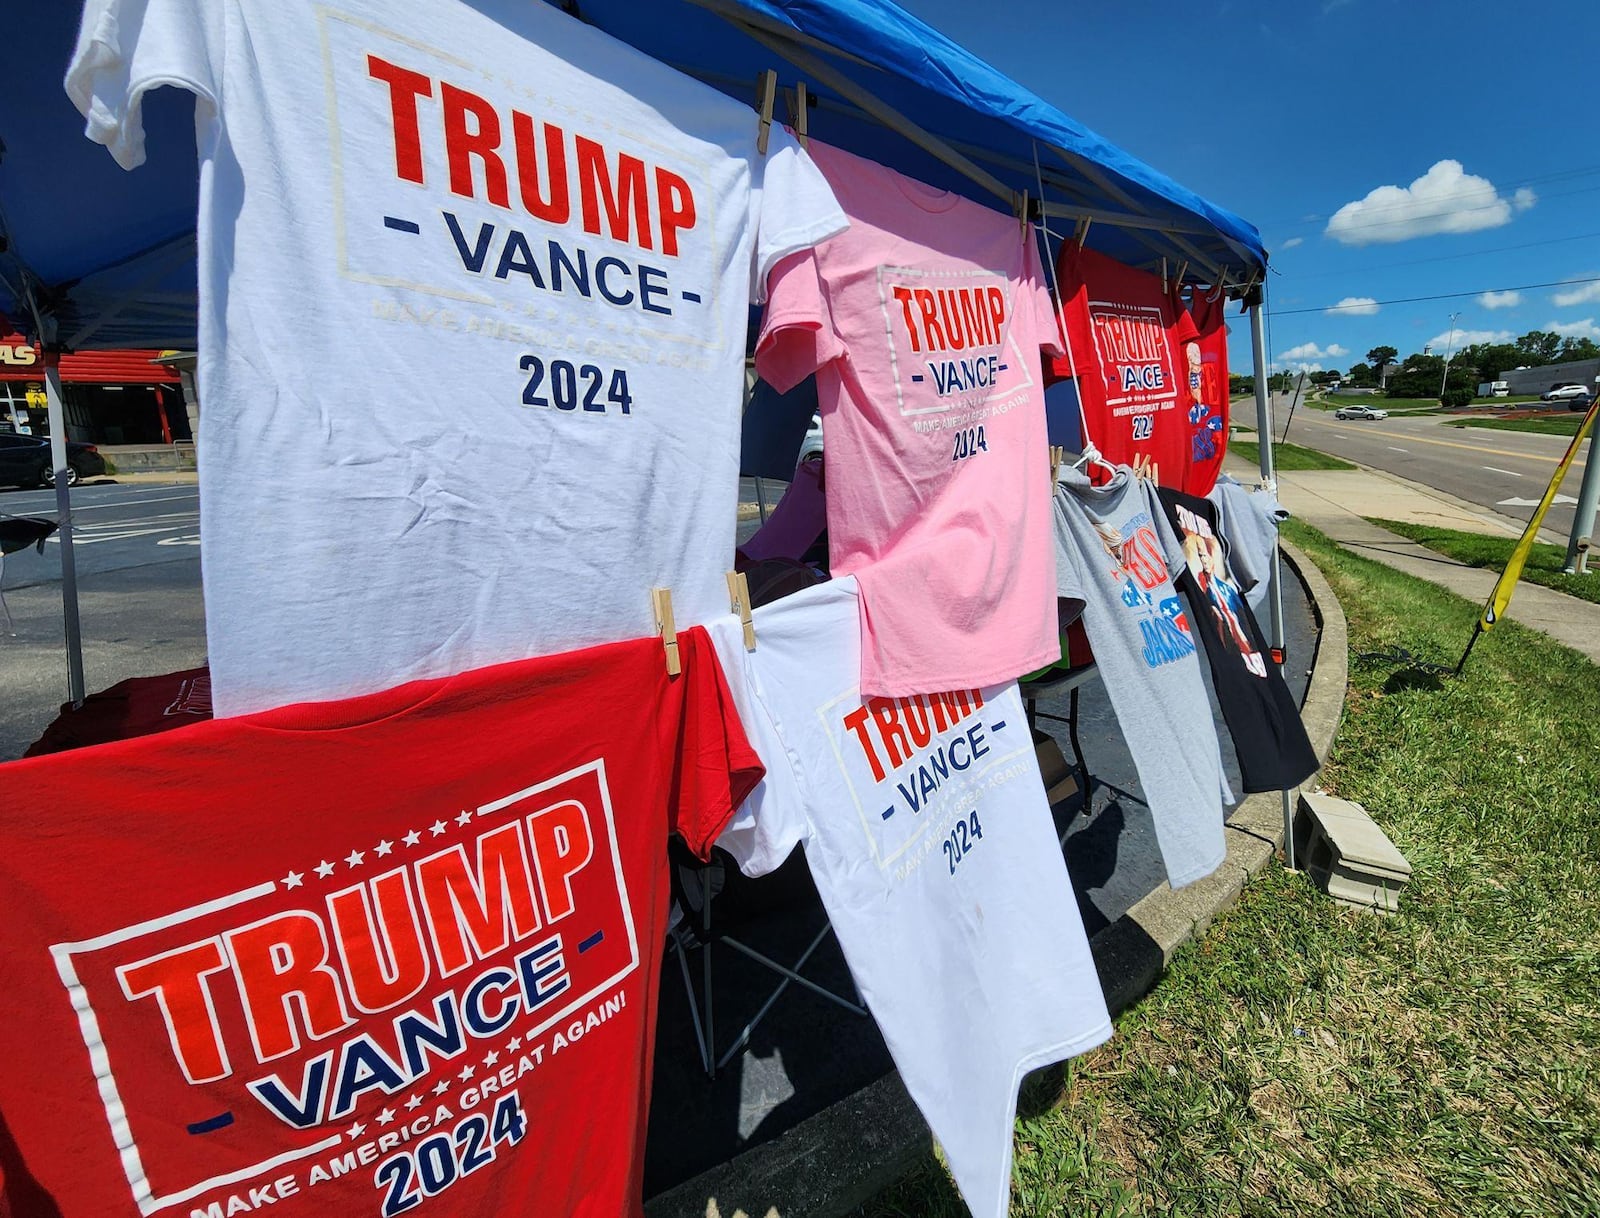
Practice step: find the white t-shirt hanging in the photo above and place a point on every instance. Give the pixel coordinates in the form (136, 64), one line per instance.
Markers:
(931, 843)
(474, 282)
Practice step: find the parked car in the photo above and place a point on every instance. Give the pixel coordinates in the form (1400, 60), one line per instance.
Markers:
(1359, 412)
(811, 446)
(1579, 403)
(1564, 393)
(25, 461)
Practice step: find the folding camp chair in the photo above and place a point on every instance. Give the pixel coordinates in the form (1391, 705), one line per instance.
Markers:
(695, 888)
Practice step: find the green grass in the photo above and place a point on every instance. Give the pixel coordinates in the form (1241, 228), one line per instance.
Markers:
(1307, 1059)
(1558, 425)
(1544, 561)
(1289, 456)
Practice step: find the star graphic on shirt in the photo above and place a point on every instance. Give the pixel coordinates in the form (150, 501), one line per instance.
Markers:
(412, 838)
(383, 848)
(438, 828)
(292, 880)
(354, 857)
(386, 1117)
(414, 1103)
(324, 869)
(490, 1058)
(466, 1073)
(513, 1044)
(355, 1131)
(442, 1087)
(465, 818)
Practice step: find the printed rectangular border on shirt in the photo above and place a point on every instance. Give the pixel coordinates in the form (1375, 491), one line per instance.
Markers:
(89, 1026)
(872, 822)
(699, 331)
(1022, 365)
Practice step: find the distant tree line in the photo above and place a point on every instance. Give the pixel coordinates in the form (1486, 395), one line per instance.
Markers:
(1419, 375)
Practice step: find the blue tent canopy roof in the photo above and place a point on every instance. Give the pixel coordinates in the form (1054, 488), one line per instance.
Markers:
(110, 255)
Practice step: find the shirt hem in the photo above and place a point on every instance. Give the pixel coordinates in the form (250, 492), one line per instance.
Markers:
(944, 683)
(1198, 874)
(1081, 1043)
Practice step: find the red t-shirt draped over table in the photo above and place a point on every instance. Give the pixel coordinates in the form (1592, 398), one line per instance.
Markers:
(343, 958)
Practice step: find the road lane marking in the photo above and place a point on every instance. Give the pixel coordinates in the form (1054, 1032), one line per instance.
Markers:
(1558, 500)
(1508, 472)
(1545, 459)
(1393, 449)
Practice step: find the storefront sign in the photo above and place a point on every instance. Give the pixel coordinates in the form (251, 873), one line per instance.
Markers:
(18, 355)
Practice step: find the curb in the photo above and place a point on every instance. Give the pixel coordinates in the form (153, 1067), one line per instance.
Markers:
(836, 1160)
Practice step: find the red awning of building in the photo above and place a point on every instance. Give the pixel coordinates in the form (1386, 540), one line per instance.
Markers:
(20, 360)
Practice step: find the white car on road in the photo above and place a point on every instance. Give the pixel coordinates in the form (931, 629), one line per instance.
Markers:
(1562, 393)
(1359, 412)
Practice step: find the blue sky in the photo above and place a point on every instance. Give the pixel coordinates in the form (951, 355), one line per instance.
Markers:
(1286, 113)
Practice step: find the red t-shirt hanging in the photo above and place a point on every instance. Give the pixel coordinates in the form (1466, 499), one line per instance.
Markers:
(1118, 325)
(342, 958)
(1200, 338)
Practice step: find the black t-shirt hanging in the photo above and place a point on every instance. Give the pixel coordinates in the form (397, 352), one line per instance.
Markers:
(1274, 751)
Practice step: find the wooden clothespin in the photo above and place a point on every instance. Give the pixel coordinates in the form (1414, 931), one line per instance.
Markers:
(1022, 212)
(1220, 288)
(1163, 275)
(1058, 454)
(1177, 281)
(766, 98)
(661, 601)
(739, 602)
(1083, 230)
(799, 102)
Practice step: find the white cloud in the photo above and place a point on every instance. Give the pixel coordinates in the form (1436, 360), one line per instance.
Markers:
(1446, 199)
(1580, 294)
(1354, 306)
(1294, 367)
(1501, 300)
(1575, 329)
(1292, 242)
(1446, 341)
(1310, 351)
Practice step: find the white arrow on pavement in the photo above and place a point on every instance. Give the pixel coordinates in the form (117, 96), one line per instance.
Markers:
(1535, 502)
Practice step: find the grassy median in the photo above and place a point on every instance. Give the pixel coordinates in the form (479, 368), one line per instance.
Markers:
(1304, 1058)
(1545, 562)
(1555, 425)
(1287, 456)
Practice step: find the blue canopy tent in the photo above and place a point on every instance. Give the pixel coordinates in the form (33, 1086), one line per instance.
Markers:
(91, 256)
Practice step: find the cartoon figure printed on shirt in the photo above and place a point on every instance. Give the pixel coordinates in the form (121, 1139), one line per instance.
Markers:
(1210, 567)
(1201, 389)
(1138, 567)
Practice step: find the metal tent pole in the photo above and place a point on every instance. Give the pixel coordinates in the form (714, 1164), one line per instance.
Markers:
(58, 461)
(1579, 543)
(1258, 348)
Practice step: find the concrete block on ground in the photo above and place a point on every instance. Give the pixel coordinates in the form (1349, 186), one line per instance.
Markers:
(1349, 856)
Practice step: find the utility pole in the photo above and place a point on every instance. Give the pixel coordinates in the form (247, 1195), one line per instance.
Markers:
(1449, 349)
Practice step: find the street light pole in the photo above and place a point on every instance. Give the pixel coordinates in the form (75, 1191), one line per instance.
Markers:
(1449, 350)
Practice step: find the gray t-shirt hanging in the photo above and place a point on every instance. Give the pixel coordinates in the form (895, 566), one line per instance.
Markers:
(1114, 554)
(1249, 527)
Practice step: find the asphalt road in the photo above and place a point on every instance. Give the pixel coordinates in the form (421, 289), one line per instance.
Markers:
(1505, 471)
(138, 561)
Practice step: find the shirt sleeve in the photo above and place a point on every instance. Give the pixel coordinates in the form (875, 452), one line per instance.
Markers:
(1046, 323)
(126, 48)
(715, 767)
(772, 819)
(797, 331)
(792, 207)
(1069, 562)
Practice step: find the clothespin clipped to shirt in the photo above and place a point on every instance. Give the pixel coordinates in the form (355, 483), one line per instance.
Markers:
(1164, 275)
(1082, 234)
(1058, 454)
(1177, 280)
(661, 602)
(1220, 288)
(739, 602)
(799, 102)
(1022, 213)
(766, 98)
(1145, 468)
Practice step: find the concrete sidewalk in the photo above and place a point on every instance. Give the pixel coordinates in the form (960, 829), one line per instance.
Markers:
(1336, 502)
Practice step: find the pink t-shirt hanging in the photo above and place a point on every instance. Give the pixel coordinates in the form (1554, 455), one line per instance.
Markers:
(923, 322)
